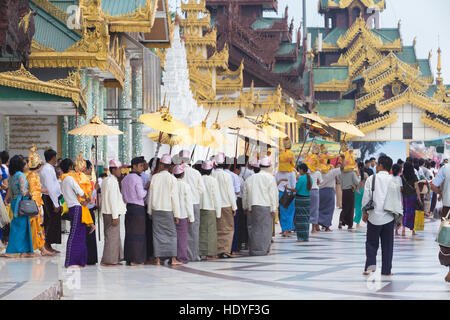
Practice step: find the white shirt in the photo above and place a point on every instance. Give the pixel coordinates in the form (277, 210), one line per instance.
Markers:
(442, 180)
(236, 181)
(194, 179)
(241, 186)
(164, 194)
(6, 169)
(290, 176)
(226, 190)
(246, 173)
(70, 190)
(316, 177)
(185, 200)
(329, 178)
(260, 190)
(378, 216)
(50, 182)
(210, 199)
(112, 201)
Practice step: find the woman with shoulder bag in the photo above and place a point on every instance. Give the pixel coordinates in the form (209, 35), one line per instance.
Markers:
(20, 240)
(411, 195)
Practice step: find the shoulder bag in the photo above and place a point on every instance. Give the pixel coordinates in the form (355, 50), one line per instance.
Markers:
(286, 199)
(443, 235)
(370, 205)
(27, 208)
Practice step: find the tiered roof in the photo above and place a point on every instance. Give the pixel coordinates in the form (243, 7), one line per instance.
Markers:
(265, 44)
(370, 60)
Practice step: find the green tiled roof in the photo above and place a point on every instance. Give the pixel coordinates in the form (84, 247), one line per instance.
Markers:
(334, 35)
(305, 82)
(286, 66)
(51, 32)
(120, 7)
(424, 66)
(264, 23)
(286, 48)
(387, 34)
(336, 109)
(326, 74)
(14, 94)
(408, 55)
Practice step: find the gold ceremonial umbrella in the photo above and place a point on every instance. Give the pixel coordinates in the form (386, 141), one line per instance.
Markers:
(95, 128)
(162, 121)
(258, 136)
(238, 122)
(167, 138)
(347, 128)
(314, 117)
(278, 116)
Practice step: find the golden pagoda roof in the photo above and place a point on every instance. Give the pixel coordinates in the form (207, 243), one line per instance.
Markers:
(69, 87)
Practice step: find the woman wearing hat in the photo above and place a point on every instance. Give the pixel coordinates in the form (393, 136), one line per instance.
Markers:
(286, 182)
(34, 187)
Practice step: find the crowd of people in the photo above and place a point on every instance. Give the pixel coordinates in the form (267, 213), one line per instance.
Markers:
(176, 212)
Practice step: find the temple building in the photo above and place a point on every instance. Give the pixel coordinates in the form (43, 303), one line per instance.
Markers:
(87, 57)
(265, 47)
(216, 86)
(367, 75)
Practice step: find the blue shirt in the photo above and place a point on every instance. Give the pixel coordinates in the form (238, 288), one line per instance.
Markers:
(301, 186)
(4, 177)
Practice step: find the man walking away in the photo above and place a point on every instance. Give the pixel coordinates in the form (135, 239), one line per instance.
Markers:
(380, 223)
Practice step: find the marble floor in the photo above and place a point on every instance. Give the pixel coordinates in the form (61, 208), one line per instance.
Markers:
(329, 266)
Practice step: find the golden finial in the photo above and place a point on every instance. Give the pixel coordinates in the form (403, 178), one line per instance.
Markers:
(80, 164)
(414, 41)
(399, 23)
(439, 67)
(430, 54)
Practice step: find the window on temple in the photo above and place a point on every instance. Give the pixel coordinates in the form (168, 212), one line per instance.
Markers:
(407, 130)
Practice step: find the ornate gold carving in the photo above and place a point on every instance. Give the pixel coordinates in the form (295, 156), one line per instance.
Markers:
(139, 20)
(377, 123)
(37, 47)
(333, 85)
(67, 88)
(369, 99)
(436, 123)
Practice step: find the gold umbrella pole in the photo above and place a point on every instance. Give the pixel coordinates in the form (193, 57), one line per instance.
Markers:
(159, 143)
(96, 179)
(301, 150)
(193, 150)
(207, 153)
(340, 148)
(237, 142)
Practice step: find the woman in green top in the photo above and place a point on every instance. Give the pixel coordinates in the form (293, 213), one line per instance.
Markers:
(302, 204)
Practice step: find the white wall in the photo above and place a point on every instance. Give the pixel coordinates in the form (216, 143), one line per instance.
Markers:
(405, 113)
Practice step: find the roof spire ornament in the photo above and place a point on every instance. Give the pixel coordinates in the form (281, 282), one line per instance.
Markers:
(439, 79)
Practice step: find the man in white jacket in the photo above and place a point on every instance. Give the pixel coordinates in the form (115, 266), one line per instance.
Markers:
(112, 208)
(194, 179)
(380, 223)
(164, 209)
(210, 212)
(260, 202)
(225, 225)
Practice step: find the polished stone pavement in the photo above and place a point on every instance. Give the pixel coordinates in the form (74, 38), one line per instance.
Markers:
(329, 266)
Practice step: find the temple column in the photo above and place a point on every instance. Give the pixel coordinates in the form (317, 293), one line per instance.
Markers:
(64, 136)
(2, 133)
(137, 108)
(77, 143)
(104, 93)
(124, 114)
